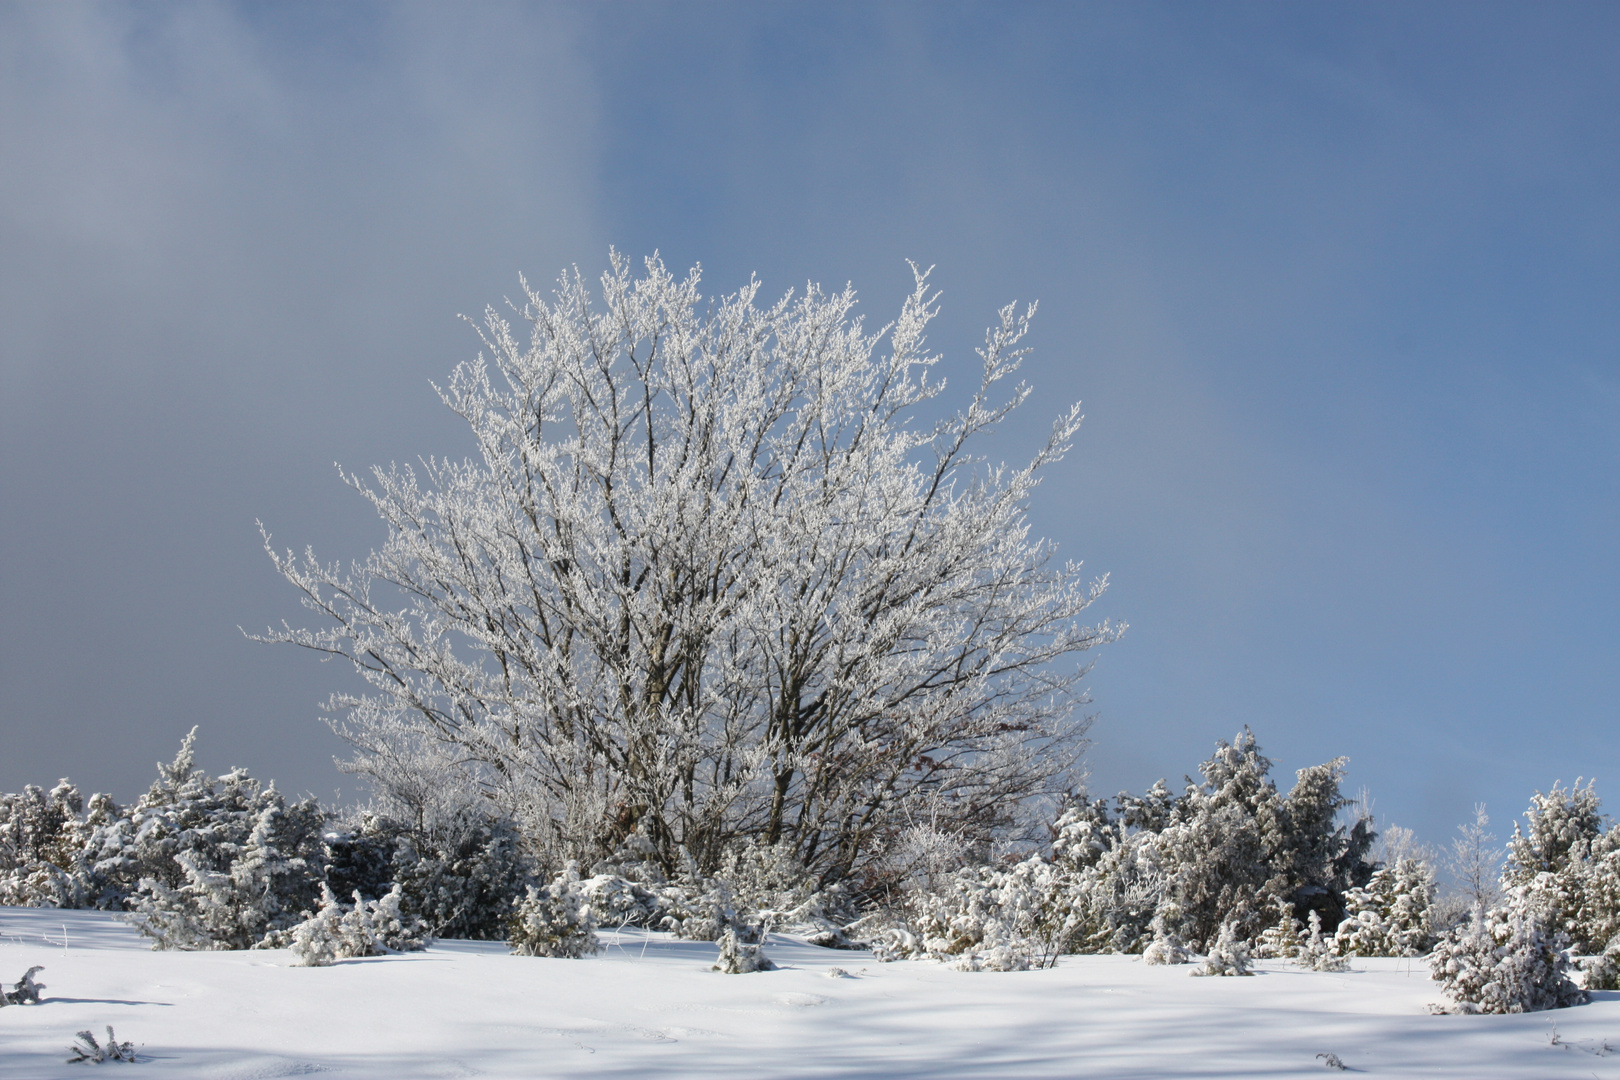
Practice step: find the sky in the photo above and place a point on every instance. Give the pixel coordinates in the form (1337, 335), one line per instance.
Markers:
(1336, 284)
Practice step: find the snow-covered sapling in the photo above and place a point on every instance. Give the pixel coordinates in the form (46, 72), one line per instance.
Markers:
(1318, 953)
(1331, 1061)
(25, 991)
(1166, 947)
(739, 958)
(86, 1048)
(554, 921)
(1228, 956)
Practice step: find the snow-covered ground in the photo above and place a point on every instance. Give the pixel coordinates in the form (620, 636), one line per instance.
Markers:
(649, 1006)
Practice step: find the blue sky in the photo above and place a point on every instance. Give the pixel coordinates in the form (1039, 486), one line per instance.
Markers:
(1336, 283)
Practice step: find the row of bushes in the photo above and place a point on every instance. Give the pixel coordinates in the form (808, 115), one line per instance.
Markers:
(1230, 869)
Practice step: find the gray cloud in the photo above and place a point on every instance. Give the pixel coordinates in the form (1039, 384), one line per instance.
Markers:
(233, 252)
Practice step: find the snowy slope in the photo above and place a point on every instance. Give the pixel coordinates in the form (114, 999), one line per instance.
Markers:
(649, 1006)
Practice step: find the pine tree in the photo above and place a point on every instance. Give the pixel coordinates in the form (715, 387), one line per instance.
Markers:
(1391, 915)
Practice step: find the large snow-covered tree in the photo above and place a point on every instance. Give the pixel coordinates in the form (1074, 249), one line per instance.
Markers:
(714, 576)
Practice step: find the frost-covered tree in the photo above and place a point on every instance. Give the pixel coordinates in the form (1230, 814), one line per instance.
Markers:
(1565, 861)
(713, 576)
(40, 847)
(1476, 860)
(1234, 844)
(1392, 915)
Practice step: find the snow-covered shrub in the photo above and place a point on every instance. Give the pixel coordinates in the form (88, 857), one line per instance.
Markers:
(1112, 878)
(1391, 915)
(823, 918)
(248, 864)
(25, 991)
(40, 862)
(1166, 946)
(1317, 952)
(1233, 843)
(1223, 854)
(1600, 972)
(339, 931)
(1507, 960)
(1282, 940)
(459, 871)
(617, 901)
(1229, 955)
(758, 887)
(318, 940)
(553, 920)
(739, 957)
(987, 920)
(701, 909)
(86, 1048)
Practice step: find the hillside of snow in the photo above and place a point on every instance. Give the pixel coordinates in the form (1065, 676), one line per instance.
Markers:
(650, 1006)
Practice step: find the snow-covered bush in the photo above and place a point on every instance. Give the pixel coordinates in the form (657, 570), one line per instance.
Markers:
(1282, 940)
(1166, 946)
(739, 957)
(458, 871)
(40, 847)
(1233, 843)
(227, 861)
(1317, 952)
(553, 920)
(1391, 915)
(1507, 960)
(1600, 972)
(987, 920)
(1221, 857)
(339, 931)
(701, 909)
(616, 901)
(86, 1048)
(25, 991)
(1229, 955)
(1111, 875)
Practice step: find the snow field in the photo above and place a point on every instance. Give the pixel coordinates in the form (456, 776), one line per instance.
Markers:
(649, 1006)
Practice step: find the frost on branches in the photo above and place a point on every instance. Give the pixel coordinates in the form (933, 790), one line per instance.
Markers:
(712, 576)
